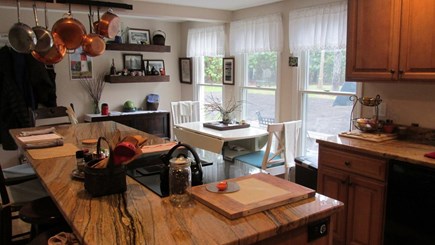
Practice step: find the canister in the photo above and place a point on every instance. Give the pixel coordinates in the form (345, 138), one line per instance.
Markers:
(180, 181)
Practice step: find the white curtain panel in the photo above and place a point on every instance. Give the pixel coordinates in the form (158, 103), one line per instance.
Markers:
(207, 41)
(317, 28)
(262, 34)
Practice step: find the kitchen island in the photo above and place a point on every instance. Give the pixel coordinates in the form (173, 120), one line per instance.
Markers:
(139, 216)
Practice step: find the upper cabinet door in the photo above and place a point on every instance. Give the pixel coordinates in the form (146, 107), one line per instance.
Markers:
(417, 47)
(373, 40)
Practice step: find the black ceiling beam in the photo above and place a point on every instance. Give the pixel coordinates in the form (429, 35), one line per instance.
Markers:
(98, 3)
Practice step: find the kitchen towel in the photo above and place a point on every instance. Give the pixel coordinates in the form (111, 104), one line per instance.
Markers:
(292, 131)
(38, 132)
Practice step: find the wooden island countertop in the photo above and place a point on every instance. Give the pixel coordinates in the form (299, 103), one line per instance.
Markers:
(139, 216)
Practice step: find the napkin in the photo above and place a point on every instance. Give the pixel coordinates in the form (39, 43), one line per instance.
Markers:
(38, 132)
(44, 144)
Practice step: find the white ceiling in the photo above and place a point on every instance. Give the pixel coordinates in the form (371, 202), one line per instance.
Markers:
(216, 4)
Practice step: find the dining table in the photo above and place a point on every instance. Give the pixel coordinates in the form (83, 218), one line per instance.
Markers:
(139, 216)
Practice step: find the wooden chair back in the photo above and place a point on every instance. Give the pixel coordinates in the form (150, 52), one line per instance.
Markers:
(275, 145)
(185, 111)
(51, 116)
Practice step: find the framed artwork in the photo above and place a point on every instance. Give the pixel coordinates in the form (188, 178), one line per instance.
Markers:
(138, 36)
(132, 62)
(158, 64)
(228, 68)
(185, 70)
(80, 65)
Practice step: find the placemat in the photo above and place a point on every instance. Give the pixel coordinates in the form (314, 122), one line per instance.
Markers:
(373, 137)
(67, 149)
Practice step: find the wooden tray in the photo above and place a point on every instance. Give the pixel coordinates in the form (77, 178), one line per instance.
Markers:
(221, 126)
(258, 192)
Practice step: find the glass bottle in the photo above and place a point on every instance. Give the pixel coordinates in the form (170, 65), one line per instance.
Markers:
(113, 68)
(180, 181)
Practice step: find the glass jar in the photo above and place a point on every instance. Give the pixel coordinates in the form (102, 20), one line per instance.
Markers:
(180, 181)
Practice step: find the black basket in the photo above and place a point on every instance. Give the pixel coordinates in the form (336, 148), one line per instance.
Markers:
(105, 181)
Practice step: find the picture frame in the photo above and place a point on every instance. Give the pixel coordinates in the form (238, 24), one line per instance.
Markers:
(132, 62)
(158, 64)
(228, 71)
(185, 70)
(139, 36)
(80, 65)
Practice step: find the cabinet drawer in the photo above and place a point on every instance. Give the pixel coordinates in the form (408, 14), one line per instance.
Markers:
(352, 162)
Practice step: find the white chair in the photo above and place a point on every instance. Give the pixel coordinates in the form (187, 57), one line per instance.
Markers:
(185, 111)
(273, 159)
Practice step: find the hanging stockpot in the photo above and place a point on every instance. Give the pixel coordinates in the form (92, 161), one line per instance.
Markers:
(57, 51)
(21, 36)
(108, 25)
(44, 40)
(70, 30)
(93, 44)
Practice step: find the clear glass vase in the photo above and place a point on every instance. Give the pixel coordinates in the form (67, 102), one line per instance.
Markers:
(96, 105)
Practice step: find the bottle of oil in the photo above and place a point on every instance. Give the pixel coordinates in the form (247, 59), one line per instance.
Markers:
(113, 68)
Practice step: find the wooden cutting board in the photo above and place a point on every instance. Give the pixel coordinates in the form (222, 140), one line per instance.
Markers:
(258, 192)
(373, 137)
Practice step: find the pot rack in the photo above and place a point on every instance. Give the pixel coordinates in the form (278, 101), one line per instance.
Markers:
(93, 3)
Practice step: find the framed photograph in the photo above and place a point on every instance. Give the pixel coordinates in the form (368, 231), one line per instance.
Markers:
(228, 68)
(157, 64)
(80, 65)
(132, 62)
(185, 70)
(138, 36)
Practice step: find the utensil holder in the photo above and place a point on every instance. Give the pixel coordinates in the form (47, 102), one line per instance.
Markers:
(105, 181)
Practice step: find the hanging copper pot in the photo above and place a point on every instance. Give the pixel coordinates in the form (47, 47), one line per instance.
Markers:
(108, 26)
(54, 55)
(93, 44)
(70, 30)
(57, 51)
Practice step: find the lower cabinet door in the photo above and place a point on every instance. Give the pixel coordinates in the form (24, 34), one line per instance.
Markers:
(365, 206)
(333, 183)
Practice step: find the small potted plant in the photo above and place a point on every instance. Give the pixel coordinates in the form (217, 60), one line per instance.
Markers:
(225, 109)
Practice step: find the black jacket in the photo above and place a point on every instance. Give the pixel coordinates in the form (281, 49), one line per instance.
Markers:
(24, 83)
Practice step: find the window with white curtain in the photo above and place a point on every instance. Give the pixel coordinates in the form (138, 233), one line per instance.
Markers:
(206, 46)
(317, 35)
(257, 43)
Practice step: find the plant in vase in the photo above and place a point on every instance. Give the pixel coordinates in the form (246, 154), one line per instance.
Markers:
(225, 109)
(94, 87)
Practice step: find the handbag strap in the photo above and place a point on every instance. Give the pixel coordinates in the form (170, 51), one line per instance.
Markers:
(195, 155)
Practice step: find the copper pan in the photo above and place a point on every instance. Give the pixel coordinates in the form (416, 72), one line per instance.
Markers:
(54, 55)
(93, 44)
(70, 30)
(108, 26)
(57, 51)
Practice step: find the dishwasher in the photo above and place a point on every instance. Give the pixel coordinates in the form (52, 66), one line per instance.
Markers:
(410, 212)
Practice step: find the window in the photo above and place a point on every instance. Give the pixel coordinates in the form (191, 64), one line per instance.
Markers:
(259, 87)
(325, 95)
(209, 84)
(317, 35)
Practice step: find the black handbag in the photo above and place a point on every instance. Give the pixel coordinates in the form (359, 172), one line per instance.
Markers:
(195, 168)
(105, 181)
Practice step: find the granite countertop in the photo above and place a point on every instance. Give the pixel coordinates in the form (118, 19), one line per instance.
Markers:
(408, 151)
(139, 216)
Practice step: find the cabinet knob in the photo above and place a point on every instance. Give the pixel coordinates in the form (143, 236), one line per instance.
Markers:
(347, 163)
(392, 71)
(349, 182)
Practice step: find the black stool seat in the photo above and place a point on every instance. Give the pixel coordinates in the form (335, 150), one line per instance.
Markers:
(40, 212)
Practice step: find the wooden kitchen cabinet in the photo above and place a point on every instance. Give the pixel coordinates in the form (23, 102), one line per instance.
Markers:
(359, 182)
(390, 40)
(156, 123)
